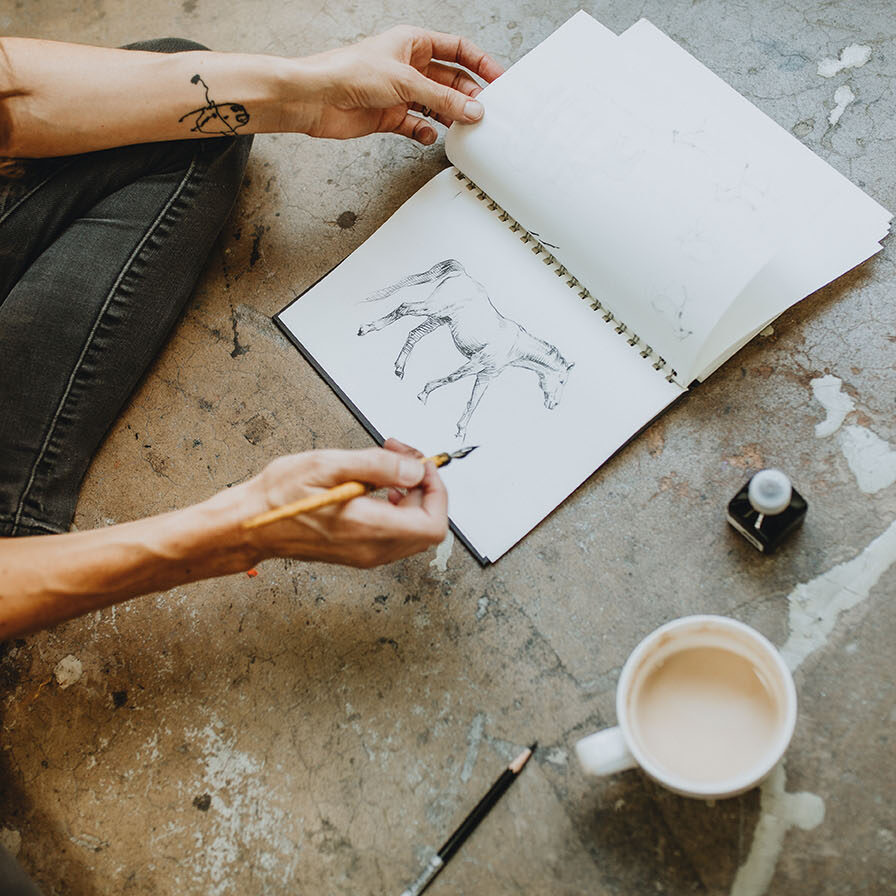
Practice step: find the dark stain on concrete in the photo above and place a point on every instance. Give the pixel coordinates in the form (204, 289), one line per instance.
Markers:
(257, 430)
(10, 670)
(257, 233)
(347, 220)
(157, 461)
(238, 349)
(189, 6)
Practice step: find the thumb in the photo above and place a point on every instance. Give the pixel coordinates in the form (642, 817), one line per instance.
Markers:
(443, 101)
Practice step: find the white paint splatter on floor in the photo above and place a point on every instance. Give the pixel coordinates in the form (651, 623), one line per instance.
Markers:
(474, 739)
(557, 756)
(68, 670)
(244, 817)
(780, 812)
(843, 96)
(815, 607)
(443, 552)
(871, 459)
(853, 56)
(837, 403)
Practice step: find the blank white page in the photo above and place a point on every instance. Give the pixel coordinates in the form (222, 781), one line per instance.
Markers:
(653, 205)
(530, 456)
(828, 224)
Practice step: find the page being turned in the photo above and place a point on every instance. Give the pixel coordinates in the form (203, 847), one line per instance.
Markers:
(650, 204)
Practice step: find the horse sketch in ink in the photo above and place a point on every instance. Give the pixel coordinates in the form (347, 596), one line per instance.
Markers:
(488, 340)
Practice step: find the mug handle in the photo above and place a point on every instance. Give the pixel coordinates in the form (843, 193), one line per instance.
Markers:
(605, 752)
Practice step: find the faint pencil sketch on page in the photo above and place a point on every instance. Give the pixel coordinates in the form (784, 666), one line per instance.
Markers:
(488, 340)
(674, 311)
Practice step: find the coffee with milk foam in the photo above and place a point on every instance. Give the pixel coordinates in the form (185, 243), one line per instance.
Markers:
(705, 714)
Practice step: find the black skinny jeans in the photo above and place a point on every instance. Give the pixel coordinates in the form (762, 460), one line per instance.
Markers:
(99, 254)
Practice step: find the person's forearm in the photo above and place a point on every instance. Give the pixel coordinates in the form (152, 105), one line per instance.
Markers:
(50, 578)
(70, 98)
(60, 99)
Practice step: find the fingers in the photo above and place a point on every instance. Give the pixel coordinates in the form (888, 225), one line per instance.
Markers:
(458, 81)
(417, 129)
(434, 496)
(451, 48)
(430, 495)
(419, 516)
(447, 103)
(455, 79)
(373, 466)
(396, 495)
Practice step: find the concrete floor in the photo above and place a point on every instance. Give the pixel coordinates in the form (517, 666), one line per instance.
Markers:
(320, 730)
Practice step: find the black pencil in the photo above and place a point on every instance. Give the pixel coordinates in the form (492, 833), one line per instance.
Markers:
(468, 825)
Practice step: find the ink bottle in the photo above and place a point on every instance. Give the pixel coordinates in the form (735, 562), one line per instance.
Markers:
(767, 509)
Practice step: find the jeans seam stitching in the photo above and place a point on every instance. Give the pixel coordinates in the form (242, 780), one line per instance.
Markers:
(89, 341)
(31, 522)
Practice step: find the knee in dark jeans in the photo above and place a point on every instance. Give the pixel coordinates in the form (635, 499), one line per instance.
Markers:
(165, 45)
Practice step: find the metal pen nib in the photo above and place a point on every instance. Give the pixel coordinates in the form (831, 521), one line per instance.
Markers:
(446, 457)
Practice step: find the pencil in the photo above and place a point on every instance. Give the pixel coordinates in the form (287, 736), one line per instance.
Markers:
(469, 824)
(338, 494)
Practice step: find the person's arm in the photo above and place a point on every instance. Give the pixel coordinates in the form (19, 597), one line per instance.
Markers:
(49, 578)
(66, 98)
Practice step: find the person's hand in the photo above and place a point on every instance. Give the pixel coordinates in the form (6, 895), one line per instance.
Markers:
(379, 83)
(363, 532)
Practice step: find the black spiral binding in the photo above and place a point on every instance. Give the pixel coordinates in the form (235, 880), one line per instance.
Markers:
(538, 248)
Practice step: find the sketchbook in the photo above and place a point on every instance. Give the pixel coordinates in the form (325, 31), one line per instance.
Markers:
(618, 224)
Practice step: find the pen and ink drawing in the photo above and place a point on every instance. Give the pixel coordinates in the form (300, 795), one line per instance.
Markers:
(490, 342)
(219, 119)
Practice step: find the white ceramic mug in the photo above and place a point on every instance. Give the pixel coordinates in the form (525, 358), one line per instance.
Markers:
(706, 706)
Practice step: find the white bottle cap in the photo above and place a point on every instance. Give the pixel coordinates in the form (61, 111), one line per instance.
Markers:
(769, 492)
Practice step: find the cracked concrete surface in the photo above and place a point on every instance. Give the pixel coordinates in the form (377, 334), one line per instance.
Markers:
(315, 729)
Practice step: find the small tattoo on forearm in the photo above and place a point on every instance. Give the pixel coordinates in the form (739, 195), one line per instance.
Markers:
(218, 119)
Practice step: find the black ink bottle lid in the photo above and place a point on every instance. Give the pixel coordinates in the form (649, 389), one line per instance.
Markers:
(767, 509)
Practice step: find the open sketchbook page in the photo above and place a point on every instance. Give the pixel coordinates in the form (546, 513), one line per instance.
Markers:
(651, 204)
(831, 225)
(487, 347)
